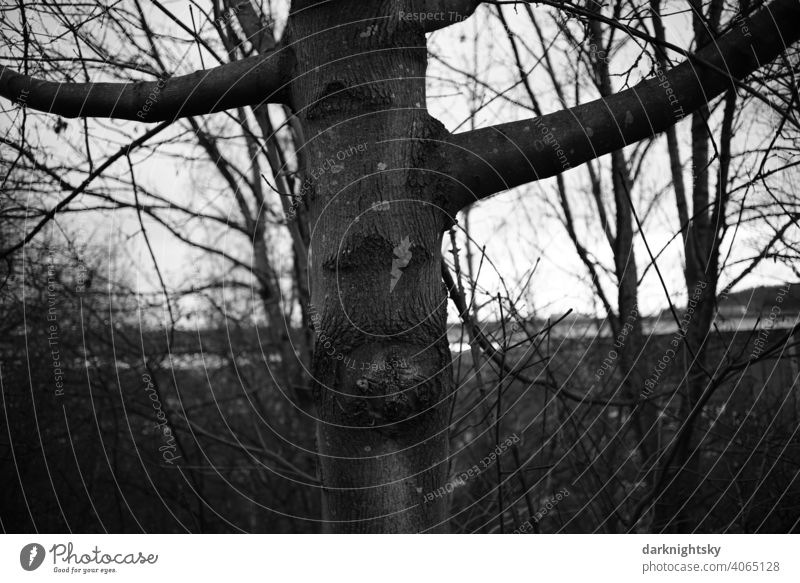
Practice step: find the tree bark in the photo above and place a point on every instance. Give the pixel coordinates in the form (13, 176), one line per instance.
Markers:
(260, 78)
(382, 363)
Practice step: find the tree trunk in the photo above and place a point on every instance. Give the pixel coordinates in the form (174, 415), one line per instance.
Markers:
(382, 366)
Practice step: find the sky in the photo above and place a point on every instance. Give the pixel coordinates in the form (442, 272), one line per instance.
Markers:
(519, 229)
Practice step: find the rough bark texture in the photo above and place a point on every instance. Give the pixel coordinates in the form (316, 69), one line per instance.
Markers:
(382, 363)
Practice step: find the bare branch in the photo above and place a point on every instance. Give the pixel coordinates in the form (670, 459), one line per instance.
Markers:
(500, 157)
(257, 79)
(124, 151)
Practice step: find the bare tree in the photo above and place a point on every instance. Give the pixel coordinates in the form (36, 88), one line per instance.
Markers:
(353, 75)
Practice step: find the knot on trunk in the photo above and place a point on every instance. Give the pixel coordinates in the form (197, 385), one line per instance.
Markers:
(382, 384)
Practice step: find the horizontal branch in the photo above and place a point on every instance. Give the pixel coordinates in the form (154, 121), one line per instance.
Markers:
(493, 159)
(255, 79)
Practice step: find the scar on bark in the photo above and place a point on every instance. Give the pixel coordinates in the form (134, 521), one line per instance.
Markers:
(387, 382)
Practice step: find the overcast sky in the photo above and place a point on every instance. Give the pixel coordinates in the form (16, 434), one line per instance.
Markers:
(518, 228)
